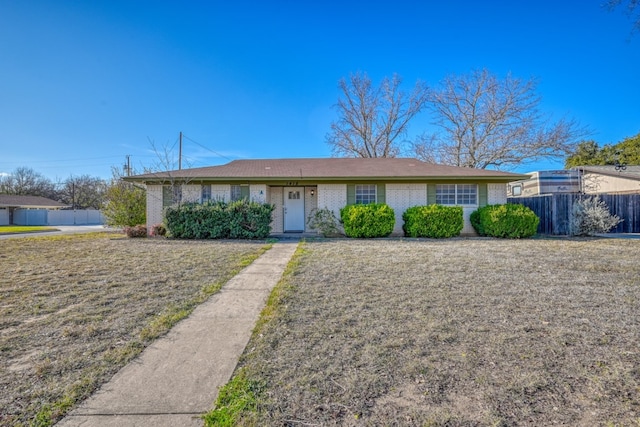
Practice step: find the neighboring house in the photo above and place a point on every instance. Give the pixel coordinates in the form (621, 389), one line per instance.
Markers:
(10, 203)
(545, 182)
(610, 179)
(297, 186)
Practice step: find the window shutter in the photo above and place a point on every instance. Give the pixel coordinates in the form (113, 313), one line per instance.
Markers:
(381, 196)
(351, 194)
(482, 195)
(431, 194)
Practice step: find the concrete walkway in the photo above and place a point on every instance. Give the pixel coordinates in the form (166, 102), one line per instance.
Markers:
(176, 379)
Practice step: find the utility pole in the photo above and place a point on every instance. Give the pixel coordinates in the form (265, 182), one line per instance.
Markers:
(127, 166)
(180, 153)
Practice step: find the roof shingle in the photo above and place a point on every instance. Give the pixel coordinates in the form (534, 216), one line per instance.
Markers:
(328, 168)
(630, 172)
(10, 200)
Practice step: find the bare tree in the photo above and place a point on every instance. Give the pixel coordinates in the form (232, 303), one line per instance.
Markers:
(25, 181)
(167, 166)
(486, 122)
(373, 119)
(83, 192)
(166, 159)
(631, 8)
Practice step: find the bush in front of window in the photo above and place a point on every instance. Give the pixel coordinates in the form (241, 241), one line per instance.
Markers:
(249, 220)
(325, 222)
(433, 221)
(208, 220)
(372, 220)
(511, 221)
(241, 219)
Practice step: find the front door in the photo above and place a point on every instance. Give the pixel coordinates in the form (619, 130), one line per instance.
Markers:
(293, 209)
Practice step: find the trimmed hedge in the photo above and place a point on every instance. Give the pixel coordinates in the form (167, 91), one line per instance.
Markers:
(372, 220)
(508, 221)
(434, 221)
(219, 220)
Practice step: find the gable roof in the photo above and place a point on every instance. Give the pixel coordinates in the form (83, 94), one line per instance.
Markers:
(322, 169)
(13, 201)
(631, 172)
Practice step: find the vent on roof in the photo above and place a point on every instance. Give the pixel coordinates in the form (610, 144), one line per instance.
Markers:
(267, 167)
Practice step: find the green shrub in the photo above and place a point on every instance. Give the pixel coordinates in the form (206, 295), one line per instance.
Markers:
(508, 221)
(219, 220)
(324, 221)
(249, 220)
(126, 204)
(435, 221)
(372, 220)
(474, 218)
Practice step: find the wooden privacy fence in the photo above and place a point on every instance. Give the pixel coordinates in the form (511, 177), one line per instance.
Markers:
(554, 211)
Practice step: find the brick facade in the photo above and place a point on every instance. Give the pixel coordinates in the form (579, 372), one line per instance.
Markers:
(154, 205)
(331, 196)
(400, 197)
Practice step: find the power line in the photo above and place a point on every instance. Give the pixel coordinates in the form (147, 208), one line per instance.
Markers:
(174, 144)
(206, 148)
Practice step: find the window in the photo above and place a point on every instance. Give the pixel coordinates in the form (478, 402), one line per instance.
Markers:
(516, 190)
(206, 193)
(171, 195)
(467, 194)
(236, 193)
(294, 195)
(446, 194)
(457, 194)
(365, 194)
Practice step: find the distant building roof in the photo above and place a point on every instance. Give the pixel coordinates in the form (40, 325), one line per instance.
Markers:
(630, 172)
(348, 169)
(12, 201)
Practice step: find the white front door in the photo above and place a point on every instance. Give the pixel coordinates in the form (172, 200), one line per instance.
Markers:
(293, 209)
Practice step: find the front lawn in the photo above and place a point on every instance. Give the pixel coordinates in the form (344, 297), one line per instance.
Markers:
(14, 229)
(462, 332)
(75, 309)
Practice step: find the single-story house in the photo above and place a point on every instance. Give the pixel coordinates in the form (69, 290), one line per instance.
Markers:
(297, 186)
(9, 203)
(610, 179)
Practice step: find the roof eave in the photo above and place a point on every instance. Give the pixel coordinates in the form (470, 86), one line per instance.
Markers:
(186, 180)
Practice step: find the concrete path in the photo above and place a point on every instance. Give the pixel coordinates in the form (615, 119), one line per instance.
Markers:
(176, 379)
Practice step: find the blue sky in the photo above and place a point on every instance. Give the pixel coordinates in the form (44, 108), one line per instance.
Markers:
(85, 83)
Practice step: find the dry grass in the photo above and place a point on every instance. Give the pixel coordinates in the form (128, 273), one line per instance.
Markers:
(74, 309)
(461, 332)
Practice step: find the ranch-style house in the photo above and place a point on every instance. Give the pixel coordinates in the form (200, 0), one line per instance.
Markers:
(297, 186)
